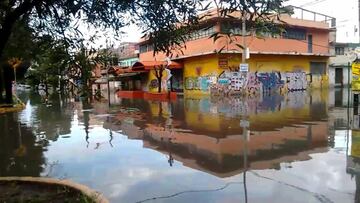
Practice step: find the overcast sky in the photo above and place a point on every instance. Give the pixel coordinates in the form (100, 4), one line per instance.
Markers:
(345, 11)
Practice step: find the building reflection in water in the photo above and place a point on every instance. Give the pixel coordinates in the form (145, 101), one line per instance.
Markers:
(209, 137)
(220, 136)
(353, 148)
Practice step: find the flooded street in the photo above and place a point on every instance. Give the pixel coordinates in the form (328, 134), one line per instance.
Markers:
(297, 147)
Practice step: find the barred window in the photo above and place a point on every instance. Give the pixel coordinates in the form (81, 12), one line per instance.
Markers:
(205, 32)
(143, 48)
(146, 48)
(295, 33)
(339, 50)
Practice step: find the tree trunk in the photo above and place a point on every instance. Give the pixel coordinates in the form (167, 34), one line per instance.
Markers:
(46, 89)
(158, 75)
(8, 92)
(159, 84)
(5, 32)
(2, 85)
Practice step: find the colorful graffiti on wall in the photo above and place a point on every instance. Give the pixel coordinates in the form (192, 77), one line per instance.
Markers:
(202, 83)
(355, 82)
(258, 82)
(153, 84)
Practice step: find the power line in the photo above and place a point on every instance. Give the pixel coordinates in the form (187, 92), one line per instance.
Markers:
(312, 3)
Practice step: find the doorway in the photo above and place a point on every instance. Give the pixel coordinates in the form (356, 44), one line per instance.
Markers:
(338, 77)
(176, 81)
(310, 43)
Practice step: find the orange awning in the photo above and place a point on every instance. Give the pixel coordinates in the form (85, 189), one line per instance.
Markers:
(148, 65)
(119, 71)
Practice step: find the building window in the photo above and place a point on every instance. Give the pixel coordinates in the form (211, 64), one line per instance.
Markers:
(233, 28)
(318, 68)
(205, 32)
(146, 48)
(339, 50)
(143, 48)
(292, 33)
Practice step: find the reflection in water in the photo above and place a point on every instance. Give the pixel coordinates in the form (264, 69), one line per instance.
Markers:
(277, 148)
(21, 152)
(211, 133)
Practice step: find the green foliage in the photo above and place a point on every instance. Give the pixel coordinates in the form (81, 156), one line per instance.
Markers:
(61, 18)
(167, 24)
(60, 49)
(49, 63)
(21, 42)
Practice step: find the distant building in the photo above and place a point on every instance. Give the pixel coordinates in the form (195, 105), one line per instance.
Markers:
(127, 53)
(340, 64)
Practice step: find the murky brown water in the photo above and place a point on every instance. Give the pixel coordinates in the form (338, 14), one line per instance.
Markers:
(302, 147)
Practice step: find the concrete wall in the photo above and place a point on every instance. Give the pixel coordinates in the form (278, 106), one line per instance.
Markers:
(321, 37)
(341, 61)
(346, 76)
(267, 72)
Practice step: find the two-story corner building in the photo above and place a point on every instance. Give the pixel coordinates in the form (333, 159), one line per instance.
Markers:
(340, 63)
(296, 60)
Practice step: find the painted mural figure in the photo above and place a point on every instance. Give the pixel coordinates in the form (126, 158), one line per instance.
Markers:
(270, 81)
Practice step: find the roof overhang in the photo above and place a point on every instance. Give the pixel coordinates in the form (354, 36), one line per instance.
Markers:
(149, 65)
(254, 53)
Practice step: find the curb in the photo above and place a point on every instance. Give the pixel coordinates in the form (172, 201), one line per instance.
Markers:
(96, 196)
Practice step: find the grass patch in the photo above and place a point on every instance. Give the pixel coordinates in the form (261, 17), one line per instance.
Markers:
(17, 105)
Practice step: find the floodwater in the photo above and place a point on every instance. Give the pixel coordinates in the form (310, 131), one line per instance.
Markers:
(299, 147)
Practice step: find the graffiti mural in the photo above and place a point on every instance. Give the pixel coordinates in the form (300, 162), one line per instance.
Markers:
(233, 82)
(253, 84)
(270, 81)
(153, 84)
(296, 81)
(202, 83)
(190, 83)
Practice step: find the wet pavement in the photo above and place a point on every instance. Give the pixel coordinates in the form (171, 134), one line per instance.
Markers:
(299, 147)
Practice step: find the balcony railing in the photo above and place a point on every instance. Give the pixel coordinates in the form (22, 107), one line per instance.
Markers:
(305, 14)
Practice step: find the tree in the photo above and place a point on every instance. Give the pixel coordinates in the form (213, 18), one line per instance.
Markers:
(49, 63)
(17, 55)
(159, 70)
(61, 19)
(57, 17)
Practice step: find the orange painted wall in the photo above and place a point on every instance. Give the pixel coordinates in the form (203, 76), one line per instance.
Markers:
(206, 45)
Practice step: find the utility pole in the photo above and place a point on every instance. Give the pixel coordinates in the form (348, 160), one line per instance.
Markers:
(244, 67)
(243, 37)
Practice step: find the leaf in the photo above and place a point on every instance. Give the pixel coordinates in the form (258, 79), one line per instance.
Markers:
(240, 46)
(220, 50)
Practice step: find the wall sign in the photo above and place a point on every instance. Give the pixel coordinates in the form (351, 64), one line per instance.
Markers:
(244, 67)
(223, 62)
